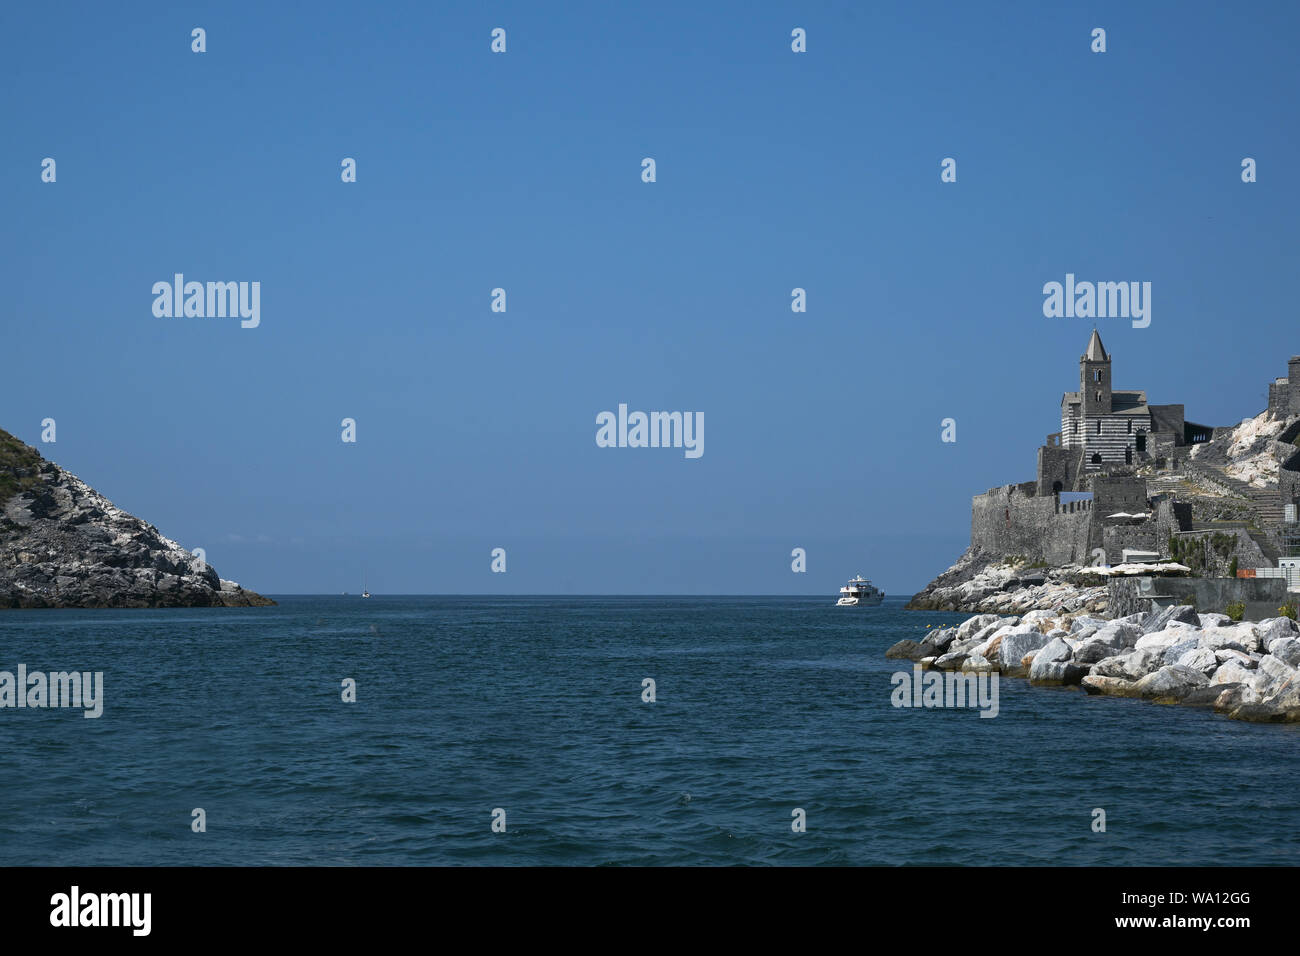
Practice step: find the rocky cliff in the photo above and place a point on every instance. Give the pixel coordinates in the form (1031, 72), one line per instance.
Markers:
(62, 544)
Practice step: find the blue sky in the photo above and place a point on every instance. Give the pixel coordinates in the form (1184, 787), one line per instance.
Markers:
(775, 170)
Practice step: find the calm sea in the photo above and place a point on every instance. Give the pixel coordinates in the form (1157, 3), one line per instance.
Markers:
(533, 705)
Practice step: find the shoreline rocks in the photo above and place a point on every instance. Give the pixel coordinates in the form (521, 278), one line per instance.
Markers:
(981, 583)
(1246, 670)
(64, 545)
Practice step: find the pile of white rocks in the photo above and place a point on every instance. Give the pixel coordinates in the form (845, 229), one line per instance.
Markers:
(1012, 589)
(1173, 655)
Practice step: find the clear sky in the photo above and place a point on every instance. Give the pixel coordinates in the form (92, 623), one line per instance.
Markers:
(522, 170)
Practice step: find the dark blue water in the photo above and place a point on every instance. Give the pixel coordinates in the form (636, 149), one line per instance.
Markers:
(534, 705)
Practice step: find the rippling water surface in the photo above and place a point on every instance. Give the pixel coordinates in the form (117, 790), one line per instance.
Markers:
(534, 705)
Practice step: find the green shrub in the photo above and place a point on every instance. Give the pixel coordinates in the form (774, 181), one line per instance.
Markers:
(1287, 610)
(19, 467)
(1235, 611)
(1232, 568)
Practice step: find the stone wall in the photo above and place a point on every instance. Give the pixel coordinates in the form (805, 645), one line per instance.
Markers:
(1262, 596)
(1144, 536)
(1123, 598)
(1279, 397)
(1012, 520)
(1288, 480)
(1126, 494)
(1166, 425)
(1057, 464)
(1293, 376)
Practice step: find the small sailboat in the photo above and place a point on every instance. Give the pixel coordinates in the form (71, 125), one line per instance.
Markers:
(365, 593)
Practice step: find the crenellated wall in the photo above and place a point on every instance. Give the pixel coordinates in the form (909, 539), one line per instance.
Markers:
(1012, 520)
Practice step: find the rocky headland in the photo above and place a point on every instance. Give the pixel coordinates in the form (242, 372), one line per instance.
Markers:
(1092, 574)
(62, 544)
(1171, 655)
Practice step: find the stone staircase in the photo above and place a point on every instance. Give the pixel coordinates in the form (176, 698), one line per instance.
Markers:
(1264, 503)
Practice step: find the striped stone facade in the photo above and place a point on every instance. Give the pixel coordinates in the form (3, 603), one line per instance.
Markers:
(1105, 439)
(1101, 426)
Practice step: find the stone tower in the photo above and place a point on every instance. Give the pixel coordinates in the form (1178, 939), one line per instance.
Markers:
(1293, 370)
(1094, 379)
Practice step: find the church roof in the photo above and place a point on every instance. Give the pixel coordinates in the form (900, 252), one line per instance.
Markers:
(1128, 401)
(1096, 351)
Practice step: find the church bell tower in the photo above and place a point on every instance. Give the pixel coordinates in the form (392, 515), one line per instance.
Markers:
(1094, 379)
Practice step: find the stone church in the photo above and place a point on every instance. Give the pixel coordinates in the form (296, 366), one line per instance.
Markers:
(1107, 429)
(1113, 431)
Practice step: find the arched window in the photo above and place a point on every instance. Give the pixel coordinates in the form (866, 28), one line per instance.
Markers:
(1099, 426)
(1096, 458)
(1128, 456)
(1130, 426)
(1141, 441)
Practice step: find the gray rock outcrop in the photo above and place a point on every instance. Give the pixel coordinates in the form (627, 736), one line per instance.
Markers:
(62, 544)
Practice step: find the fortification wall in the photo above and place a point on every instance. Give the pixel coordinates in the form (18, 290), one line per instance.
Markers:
(1138, 537)
(1057, 464)
(1279, 397)
(1122, 494)
(1293, 378)
(1012, 520)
